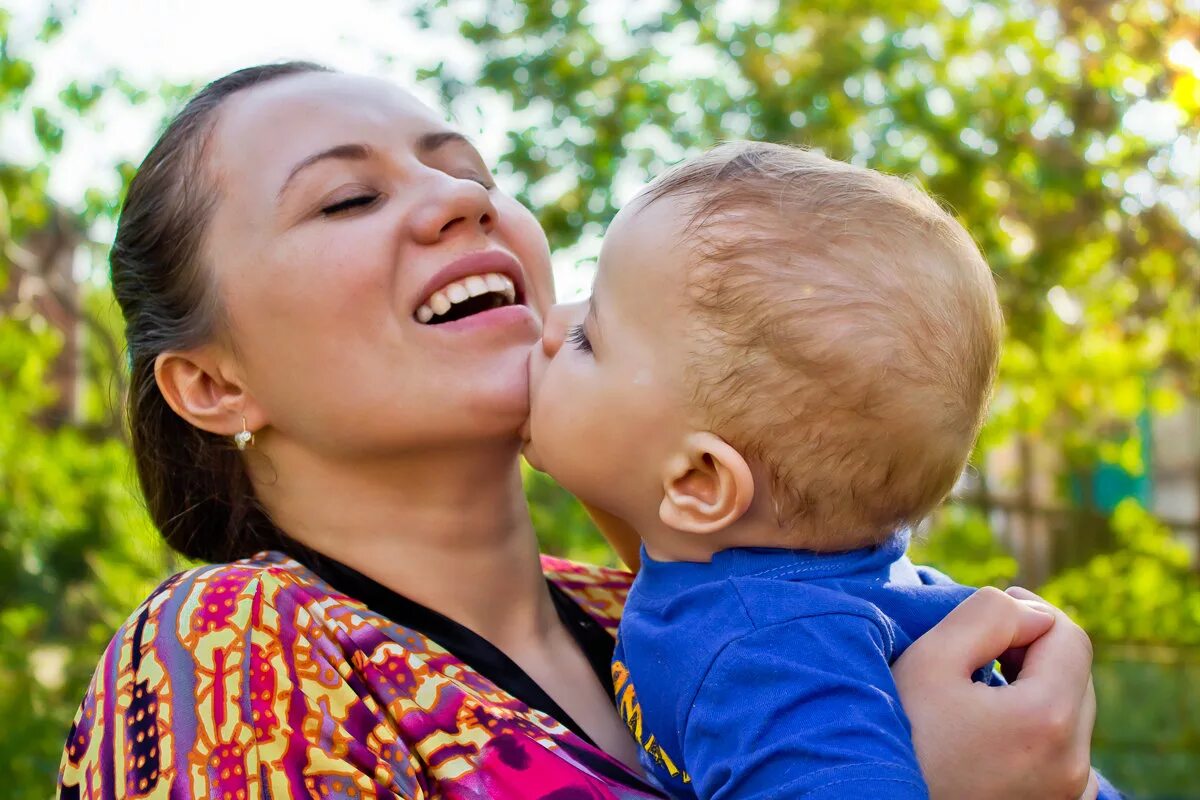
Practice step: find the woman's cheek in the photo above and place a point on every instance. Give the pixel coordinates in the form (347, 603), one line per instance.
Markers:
(532, 248)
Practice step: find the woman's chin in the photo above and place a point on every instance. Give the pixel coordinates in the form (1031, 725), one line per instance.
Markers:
(492, 395)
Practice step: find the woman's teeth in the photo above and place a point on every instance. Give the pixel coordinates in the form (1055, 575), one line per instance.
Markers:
(450, 295)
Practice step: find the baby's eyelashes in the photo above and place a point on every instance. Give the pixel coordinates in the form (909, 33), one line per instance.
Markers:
(577, 336)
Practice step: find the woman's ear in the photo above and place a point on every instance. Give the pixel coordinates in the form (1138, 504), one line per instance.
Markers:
(198, 386)
(706, 487)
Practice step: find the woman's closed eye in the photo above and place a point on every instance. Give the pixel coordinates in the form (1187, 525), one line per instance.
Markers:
(365, 199)
(578, 338)
(350, 203)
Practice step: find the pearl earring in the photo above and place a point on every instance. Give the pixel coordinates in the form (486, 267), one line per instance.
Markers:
(243, 437)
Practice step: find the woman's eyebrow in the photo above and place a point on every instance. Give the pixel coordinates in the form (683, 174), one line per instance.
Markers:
(430, 143)
(357, 151)
(433, 141)
(350, 152)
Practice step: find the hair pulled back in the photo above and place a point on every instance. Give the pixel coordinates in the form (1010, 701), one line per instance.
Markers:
(194, 482)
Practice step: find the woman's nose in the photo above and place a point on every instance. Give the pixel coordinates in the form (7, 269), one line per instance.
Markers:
(453, 207)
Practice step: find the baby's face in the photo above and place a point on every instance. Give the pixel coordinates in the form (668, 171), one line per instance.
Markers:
(608, 397)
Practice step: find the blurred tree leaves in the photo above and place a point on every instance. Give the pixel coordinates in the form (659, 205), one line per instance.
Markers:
(1063, 133)
(76, 556)
(961, 543)
(1060, 133)
(76, 551)
(1143, 591)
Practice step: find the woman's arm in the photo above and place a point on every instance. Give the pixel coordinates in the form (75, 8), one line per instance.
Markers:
(1029, 739)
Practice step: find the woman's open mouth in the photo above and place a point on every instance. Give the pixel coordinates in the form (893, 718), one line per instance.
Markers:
(487, 284)
(467, 297)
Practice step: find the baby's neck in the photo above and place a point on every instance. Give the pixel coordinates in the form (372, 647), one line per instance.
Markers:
(665, 544)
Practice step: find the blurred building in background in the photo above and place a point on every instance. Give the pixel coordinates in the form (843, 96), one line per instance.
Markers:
(1050, 517)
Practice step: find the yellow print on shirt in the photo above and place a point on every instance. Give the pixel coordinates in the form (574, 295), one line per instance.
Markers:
(631, 712)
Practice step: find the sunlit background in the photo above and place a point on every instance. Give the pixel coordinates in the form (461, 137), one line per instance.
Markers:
(1065, 135)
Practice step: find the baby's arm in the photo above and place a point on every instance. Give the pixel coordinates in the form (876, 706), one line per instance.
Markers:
(805, 708)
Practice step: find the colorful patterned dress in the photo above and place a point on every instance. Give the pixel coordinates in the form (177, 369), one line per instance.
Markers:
(259, 679)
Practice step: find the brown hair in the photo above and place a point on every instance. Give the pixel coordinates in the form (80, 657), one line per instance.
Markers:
(194, 482)
(847, 333)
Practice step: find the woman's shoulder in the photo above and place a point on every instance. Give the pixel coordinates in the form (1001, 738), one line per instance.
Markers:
(211, 593)
(601, 591)
(195, 607)
(208, 621)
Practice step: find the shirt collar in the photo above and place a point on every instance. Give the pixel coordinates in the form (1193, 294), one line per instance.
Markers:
(747, 562)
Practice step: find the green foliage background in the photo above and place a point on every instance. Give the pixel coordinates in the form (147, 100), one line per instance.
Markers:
(1026, 117)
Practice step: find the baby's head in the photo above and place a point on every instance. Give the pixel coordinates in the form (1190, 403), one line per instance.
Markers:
(780, 350)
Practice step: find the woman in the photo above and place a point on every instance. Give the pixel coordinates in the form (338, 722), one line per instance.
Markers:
(329, 309)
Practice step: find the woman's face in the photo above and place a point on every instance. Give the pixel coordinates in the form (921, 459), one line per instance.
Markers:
(349, 220)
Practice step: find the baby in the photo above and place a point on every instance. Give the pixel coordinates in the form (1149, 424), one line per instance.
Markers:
(783, 366)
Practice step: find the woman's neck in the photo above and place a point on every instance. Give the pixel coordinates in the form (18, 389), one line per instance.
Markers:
(449, 530)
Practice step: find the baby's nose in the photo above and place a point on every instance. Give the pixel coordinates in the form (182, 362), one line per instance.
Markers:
(554, 330)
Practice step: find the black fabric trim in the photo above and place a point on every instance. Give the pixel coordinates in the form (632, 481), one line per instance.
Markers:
(463, 643)
(596, 643)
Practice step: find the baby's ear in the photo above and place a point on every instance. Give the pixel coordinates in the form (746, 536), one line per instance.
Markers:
(707, 486)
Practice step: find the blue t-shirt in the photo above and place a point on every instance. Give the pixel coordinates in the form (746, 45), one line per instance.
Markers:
(766, 672)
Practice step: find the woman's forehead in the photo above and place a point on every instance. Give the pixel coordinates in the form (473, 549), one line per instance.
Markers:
(267, 128)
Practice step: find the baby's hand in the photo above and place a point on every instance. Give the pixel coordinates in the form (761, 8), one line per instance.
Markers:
(623, 539)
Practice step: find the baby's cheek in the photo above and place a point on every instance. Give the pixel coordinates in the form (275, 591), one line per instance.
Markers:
(550, 419)
(570, 444)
